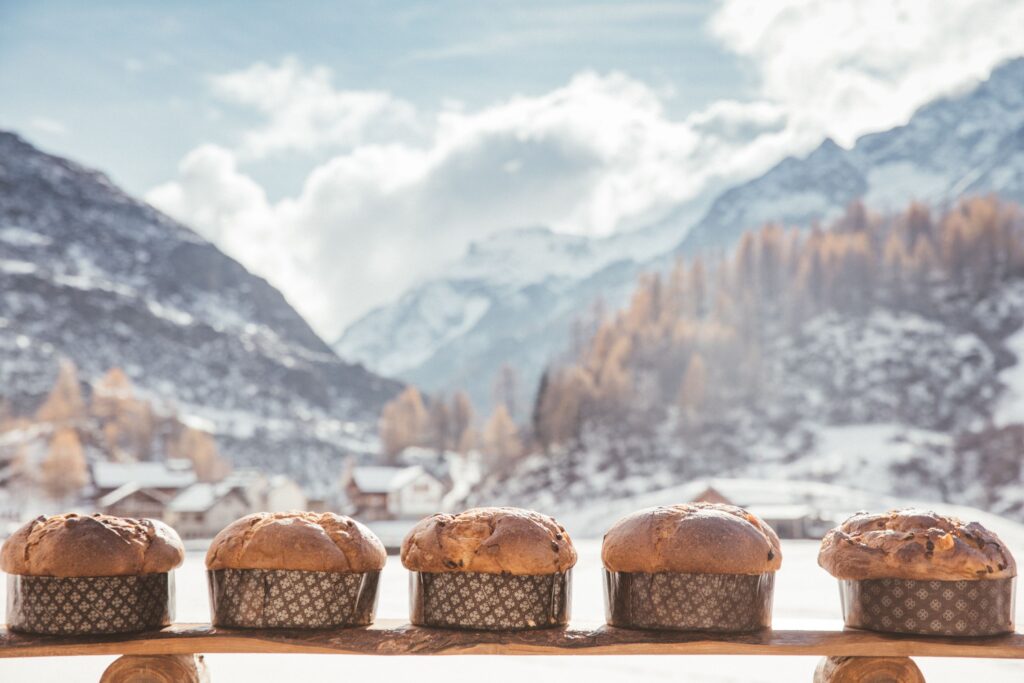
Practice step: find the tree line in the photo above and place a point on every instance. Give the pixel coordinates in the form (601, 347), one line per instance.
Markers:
(113, 421)
(693, 340)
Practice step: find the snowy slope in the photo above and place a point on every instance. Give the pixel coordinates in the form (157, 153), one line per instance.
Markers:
(512, 298)
(89, 273)
(969, 144)
(901, 404)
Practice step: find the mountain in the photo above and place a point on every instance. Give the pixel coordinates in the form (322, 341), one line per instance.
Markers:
(456, 329)
(969, 144)
(883, 354)
(513, 298)
(93, 275)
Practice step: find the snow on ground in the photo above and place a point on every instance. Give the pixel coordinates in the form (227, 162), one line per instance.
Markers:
(806, 597)
(865, 452)
(1011, 407)
(890, 185)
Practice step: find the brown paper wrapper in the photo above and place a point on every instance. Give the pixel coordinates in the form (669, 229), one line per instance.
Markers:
(941, 608)
(726, 603)
(283, 598)
(83, 605)
(492, 602)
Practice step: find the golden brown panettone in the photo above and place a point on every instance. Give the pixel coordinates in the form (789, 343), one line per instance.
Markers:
(97, 545)
(914, 544)
(302, 541)
(489, 541)
(694, 538)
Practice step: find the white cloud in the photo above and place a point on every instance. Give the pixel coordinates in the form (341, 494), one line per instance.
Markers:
(848, 67)
(45, 124)
(591, 157)
(305, 112)
(407, 190)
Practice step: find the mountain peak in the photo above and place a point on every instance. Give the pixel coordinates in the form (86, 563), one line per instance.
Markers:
(93, 275)
(515, 296)
(953, 145)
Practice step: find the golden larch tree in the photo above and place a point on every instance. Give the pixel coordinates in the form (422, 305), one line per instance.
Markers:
(404, 422)
(64, 472)
(64, 403)
(501, 436)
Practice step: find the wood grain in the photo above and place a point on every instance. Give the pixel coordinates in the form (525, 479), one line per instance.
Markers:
(868, 670)
(157, 669)
(392, 637)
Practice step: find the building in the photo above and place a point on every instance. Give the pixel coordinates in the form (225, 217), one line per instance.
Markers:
(169, 491)
(168, 477)
(276, 493)
(377, 493)
(788, 507)
(203, 509)
(132, 500)
(139, 489)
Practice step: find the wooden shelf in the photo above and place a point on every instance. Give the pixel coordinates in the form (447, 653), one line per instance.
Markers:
(392, 637)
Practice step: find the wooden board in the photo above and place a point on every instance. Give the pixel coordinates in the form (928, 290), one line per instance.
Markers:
(391, 637)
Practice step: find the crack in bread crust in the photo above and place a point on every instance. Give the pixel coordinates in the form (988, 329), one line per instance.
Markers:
(73, 545)
(302, 541)
(914, 544)
(499, 540)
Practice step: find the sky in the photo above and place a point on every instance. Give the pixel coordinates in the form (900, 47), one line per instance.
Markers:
(346, 151)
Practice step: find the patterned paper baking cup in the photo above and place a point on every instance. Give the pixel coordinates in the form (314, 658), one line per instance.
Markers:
(89, 604)
(727, 603)
(284, 598)
(492, 602)
(940, 608)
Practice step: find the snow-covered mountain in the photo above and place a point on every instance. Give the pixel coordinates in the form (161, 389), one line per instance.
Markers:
(511, 299)
(901, 404)
(969, 144)
(514, 297)
(89, 273)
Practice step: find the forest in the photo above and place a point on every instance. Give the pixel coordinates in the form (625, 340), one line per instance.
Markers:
(697, 342)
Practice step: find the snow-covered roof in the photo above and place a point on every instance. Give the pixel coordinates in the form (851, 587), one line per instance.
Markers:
(122, 492)
(828, 500)
(782, 512)
(168, 474)
(385, 479)
(249, 477)
(765, 492)
(201, 496)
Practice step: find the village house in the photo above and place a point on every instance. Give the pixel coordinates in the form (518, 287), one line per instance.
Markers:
(168, 477)
(169, 490)
(140, 489)
(203, 509)
(131, 500)
(378, 493)
(785, 510)
(276, 493)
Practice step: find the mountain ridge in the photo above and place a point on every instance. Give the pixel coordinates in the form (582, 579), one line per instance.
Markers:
(89, 273)
(950, 136)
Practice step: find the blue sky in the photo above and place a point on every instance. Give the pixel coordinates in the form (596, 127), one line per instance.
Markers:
(346, 151)
(122, 85)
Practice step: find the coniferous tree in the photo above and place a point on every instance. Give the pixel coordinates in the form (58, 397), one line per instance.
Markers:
(440, 430)
(63, 471)
(64, 402)
(461, 418)
(403, 423)
(694, 387)
(501, 437)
